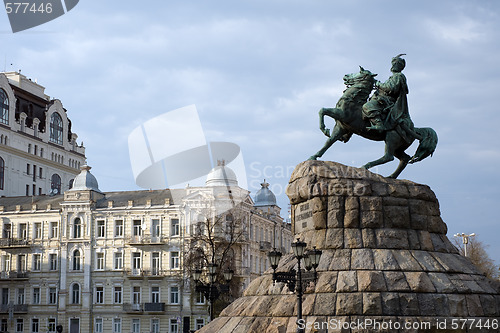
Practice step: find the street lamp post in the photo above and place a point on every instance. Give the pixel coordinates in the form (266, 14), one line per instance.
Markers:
(465, 240)
(297, 280)
(212, 289)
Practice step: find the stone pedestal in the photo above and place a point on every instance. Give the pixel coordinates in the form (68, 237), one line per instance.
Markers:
(386, 263)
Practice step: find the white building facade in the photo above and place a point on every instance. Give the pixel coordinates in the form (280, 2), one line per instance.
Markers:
(38, 152)
(113, 262)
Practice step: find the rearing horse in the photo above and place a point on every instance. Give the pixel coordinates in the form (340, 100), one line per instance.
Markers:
(349, 120)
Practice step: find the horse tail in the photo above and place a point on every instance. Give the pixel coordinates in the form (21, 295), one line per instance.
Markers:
(428, 142)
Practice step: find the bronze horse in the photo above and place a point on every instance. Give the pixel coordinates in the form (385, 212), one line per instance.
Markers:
(349, 120)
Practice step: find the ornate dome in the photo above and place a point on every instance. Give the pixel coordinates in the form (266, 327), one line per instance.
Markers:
(264, 196)
(85, 181)
(221, 175)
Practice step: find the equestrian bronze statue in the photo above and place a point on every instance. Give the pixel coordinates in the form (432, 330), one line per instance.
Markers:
(382, 117)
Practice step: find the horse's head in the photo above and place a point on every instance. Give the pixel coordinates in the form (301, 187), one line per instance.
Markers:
(363, 77)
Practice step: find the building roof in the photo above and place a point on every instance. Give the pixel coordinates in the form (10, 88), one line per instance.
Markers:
(221, 175)
(26, 203)
(264, 196)
(85, 181)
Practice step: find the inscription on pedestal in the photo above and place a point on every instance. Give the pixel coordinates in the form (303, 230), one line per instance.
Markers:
(303, 217)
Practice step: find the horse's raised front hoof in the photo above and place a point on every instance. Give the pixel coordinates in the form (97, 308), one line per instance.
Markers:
(325, 131)
(366, 167)
(312, 158)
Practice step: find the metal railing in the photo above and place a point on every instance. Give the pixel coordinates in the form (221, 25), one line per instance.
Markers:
(128, 307)
(14, 275)
(146, 240)
(14, 242)
(154, 307)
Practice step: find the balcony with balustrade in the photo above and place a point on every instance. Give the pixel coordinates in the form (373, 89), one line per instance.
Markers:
(14, 308)
(133, 308)
(146, 240)
(15, 275)
(14, 243)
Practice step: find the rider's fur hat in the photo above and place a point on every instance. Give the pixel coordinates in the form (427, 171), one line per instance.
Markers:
(400, 62)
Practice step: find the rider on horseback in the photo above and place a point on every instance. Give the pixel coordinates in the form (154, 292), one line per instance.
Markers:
(388, 106)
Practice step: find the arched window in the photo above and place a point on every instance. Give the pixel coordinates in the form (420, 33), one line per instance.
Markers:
(4, 107)
(2, 172)
(75, 294)
(55, 183)
(76, 261)
(71, 181)
(77, 228)
(56, 128)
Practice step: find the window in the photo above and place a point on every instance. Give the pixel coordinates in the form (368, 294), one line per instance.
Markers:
(3, 325)
(200, 298)
(199, 323)
(137, 227)
(37, 262)
(36, 150)
(20, 295)
(75, 294)
(99, 295)
(136, 325)
(55, 184)
(100, 261)
(36, 295)
(98, 325)
(101, 231)
(53, 261)
(155, 325)
(136, 261)
(118, 260)
(56, 129)
(52, 295)
(37, 230)
(4, 107)
(174, 326)
(155, 263)
(155, 228)
(174, 295)
(19, 325)
(5, 296)
(119, 228)
(174, 227)
(51, 325)
(7, 230)
(136, 295)
(174, 260)
(54, 230)
(40, 170)
(6, 263)
(2, 173)
(23, 231)
(117, 295)
(77, 228)
(155, 294)
(35, 325)
(76, 261)
(27, 190)
(117, 325)
(21, 263)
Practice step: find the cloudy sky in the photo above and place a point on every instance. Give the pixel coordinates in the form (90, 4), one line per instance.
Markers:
(258, 72)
